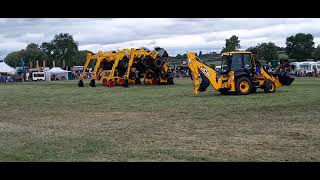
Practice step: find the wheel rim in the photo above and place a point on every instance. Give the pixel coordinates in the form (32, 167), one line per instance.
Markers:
(244, 86)
(272, 87)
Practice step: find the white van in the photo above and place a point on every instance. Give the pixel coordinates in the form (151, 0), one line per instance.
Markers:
(38, 76)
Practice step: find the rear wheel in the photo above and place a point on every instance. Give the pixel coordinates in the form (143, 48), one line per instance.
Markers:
(224, 91)
(125, 83)
(170, 81)
(80, 83)
(269, 87)
(93, 83)
(243, 86)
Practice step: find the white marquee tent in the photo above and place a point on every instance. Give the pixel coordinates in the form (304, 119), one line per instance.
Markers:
(5, 68)
(58, 72)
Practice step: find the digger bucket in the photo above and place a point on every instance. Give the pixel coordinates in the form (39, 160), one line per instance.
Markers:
(285, 78)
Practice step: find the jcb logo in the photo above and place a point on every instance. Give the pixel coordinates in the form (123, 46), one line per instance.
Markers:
(205, 71)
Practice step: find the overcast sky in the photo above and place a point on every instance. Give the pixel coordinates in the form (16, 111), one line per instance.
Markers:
(175, 35)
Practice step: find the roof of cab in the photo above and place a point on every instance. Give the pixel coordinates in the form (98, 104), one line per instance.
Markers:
(237, 52)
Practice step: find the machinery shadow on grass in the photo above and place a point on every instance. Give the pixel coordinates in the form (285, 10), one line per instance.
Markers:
(210, 94)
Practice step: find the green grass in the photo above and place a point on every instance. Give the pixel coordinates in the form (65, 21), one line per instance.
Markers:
(58, 121)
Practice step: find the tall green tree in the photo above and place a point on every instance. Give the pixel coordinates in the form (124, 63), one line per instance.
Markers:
(63, 49)
(254, 49)
(32, 46)
(283, 56)
(232, 44)
(48, 48)
(316, 53)
(300, 46)
(32, 53)
(13, 59)
(265, 51)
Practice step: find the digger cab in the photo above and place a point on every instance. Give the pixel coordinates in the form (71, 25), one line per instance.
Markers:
(239, 62)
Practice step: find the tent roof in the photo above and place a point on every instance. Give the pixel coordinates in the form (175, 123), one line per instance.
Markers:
(5, 68)
(57, 70)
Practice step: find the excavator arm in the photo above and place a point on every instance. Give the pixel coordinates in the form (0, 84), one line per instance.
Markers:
(276, 81)
(97, 66)
(196, 67)
(138, 53)
(133, 55)
(90, 56)
(86, 64)
(279, 80)
(109, 80)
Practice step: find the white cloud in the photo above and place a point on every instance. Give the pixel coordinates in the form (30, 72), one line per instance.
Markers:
(175, 35)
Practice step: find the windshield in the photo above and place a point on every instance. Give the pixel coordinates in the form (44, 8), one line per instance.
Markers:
(236, 62)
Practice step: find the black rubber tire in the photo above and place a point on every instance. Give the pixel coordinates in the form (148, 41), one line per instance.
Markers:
(158, 62)
(93, 83)
(80, 83)
(132, 75)
(166, 76)
(170, 81)
(268, 86)
(149, 75)
(124, 63)
(125, 83)
(238, 81)
(224, 91)
(253, 90)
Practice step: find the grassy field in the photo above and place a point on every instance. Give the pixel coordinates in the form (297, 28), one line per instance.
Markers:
(58, 121)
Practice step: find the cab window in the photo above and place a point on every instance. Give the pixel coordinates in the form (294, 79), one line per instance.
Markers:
(247, 61)
(236, 62)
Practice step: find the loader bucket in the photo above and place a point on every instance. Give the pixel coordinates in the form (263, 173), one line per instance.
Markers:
(204, 83)
(285, 78)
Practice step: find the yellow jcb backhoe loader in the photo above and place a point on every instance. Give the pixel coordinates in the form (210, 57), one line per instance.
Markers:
(101, 58)
(114, 76)
(155, 68)
(240, 74)
(124, 67)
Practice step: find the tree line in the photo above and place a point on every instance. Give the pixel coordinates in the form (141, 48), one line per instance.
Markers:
(62, 50)
(300, 46)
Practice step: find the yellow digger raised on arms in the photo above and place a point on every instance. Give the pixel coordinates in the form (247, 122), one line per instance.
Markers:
(240, 74)
(126, 66)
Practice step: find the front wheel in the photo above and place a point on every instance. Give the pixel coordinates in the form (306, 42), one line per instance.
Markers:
(224, 91)
(269, 87)
(80, 83)
(243, 86)
(93, 83)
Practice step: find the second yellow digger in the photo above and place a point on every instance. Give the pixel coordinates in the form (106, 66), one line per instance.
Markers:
(240, 74)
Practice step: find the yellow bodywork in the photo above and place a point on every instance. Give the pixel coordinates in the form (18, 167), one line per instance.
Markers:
(228, 81)
(216, 81)
(99, 57)
(133, 55)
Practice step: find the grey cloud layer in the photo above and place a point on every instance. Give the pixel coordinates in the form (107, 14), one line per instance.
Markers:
(176, 35)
